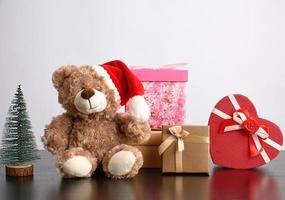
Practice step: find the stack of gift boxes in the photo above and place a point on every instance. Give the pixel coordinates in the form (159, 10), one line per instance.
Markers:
(239, 138)
(165, 92)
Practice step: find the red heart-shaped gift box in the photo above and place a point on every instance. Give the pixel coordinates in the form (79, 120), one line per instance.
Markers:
(234, 139)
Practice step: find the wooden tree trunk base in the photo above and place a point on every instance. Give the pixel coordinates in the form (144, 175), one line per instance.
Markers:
(21, 170)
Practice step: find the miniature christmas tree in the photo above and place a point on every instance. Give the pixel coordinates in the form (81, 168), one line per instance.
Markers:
(18, 149)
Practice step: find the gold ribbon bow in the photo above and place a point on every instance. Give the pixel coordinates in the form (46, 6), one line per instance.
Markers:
(178, 134)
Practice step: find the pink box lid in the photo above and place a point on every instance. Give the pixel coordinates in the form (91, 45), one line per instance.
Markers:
(171, 73)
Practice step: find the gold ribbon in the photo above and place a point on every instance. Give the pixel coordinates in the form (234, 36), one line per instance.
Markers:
(178, 134)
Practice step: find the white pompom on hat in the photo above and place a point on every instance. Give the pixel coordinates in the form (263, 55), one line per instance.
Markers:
(127, 88)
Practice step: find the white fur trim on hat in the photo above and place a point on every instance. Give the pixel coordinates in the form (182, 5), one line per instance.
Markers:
(138, 108)
(102, 72)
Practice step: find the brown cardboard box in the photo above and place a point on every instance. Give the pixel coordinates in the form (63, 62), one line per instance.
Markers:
(195, 157)
(149, 150)
(151, 157)
(154, 140)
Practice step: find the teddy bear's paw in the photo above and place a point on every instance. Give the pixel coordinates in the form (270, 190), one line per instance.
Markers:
(53, 142)
(77, 166)
(138, 132)
(122, 161)
(76, 162)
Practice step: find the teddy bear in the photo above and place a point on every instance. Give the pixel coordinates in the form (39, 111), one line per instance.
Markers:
(91, 132)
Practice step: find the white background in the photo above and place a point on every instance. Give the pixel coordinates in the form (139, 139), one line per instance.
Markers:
(233, 47)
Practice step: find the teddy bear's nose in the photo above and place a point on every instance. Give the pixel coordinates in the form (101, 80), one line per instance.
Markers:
(87, 93)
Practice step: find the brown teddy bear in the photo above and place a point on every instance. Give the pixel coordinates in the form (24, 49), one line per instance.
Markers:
(91, 131)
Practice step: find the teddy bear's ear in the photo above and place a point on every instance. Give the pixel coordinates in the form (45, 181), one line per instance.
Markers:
(61, 74)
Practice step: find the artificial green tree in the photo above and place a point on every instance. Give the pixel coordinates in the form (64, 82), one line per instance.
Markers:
(18, 149)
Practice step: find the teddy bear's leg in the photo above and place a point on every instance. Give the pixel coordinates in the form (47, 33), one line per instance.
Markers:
(76, 162)
(122, 161)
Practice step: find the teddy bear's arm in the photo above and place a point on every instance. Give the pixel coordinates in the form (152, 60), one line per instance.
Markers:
(135, 132)
(55, 138)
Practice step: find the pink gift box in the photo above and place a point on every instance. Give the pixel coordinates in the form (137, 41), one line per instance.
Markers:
(165, 92)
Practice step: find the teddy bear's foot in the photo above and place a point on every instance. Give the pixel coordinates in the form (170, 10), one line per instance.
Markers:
(76, 162)
(123, 161)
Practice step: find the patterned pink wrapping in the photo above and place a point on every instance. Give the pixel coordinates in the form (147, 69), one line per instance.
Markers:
(165, 92)
(166, 101)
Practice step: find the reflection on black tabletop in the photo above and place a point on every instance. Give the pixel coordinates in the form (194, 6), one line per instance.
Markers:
(223, 184)
(74, 189)
(19, 188)
(152, 184)
(253, 184)
(263, 183)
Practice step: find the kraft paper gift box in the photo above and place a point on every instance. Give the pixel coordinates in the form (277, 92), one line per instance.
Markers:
(149, 151)
(185, 149)
(165, 92)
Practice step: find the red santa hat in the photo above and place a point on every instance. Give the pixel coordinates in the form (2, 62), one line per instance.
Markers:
(127, 88)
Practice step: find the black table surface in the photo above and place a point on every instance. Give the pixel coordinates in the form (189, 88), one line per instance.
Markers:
(267, 182)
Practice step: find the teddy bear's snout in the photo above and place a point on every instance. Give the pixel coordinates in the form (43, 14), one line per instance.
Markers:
(90, 100)
(87, 93)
